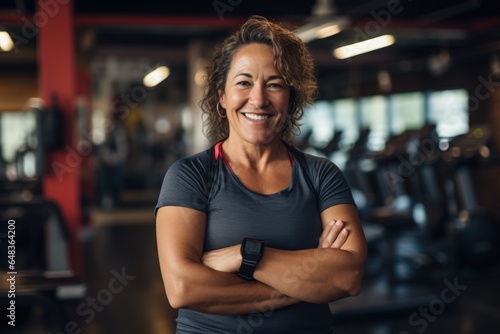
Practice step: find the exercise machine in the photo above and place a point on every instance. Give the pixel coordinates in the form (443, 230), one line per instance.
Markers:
(475, 230)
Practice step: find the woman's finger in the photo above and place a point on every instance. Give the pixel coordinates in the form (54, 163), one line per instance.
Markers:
(331, 233)
(341, 239)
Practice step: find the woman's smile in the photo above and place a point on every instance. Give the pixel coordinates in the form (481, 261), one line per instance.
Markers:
(257, 117)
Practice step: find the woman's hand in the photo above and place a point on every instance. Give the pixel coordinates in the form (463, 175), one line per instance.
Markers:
(226, 259)
(334, 235)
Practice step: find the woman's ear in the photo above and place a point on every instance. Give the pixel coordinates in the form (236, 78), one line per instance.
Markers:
(222, 99)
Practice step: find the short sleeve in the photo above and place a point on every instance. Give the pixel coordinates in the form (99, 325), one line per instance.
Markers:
(330, 182)
(186, 183)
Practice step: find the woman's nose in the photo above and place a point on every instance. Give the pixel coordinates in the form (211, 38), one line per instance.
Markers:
(258, 96)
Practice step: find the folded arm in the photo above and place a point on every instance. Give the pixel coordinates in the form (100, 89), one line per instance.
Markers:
(207, 283)
(191, 284)
(319, 275)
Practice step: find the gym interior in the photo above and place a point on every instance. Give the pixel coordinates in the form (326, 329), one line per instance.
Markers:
(414, 125)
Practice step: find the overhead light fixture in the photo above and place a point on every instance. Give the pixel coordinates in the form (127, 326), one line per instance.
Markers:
(156, 76)
(324, 22)
(327, 30)
(369, 45)
(6, 43)
(200, 77)
(320, 29)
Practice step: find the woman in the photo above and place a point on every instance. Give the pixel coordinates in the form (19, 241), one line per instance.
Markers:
(253, 235)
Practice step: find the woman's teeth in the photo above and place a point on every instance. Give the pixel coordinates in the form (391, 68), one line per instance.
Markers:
(257, 117)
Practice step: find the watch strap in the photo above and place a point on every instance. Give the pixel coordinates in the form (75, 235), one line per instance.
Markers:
(251, 253)
(247, 269)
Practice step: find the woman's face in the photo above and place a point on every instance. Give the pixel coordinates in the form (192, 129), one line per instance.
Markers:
(256, 97)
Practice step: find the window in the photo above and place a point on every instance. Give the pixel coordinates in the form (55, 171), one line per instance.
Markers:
(383, 116)
(320, 120)
(407, 112)
(346, 120)
(16, 130)
(448, 109)
(19, 144)
(374, 117)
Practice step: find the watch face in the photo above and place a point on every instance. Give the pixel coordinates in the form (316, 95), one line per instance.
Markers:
(253, 246)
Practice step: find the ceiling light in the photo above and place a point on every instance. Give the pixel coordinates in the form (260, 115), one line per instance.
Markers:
(363, 47)
(327, 30)
(324, 8)
(156, 76)
(321, 28)
(324, 21)
(6, 43)
(200, 77)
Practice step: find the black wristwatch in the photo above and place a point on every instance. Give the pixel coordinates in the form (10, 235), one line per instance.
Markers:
(251, 252)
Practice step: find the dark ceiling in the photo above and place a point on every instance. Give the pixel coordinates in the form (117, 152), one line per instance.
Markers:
(469, 30)
(412, 9)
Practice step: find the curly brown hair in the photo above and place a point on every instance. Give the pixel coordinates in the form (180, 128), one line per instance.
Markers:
(291, 59)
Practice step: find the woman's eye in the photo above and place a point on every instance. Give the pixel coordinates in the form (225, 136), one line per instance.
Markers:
(243, 83)
(275, 85)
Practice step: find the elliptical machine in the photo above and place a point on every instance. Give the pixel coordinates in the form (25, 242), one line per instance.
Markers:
(475, 230)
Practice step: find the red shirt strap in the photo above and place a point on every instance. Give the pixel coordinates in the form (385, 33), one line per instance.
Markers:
(218, 154)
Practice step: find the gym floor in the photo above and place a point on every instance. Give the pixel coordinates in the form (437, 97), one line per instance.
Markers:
(125, 292)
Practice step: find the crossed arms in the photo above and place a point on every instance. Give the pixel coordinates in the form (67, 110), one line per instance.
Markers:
(206, 282)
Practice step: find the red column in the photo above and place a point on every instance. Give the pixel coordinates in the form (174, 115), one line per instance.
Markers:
(54, 20)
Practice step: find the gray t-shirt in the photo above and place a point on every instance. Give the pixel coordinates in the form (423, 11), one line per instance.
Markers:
(288, 220)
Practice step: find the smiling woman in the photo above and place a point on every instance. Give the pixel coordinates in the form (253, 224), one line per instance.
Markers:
(255, 97)
(253, 234)
(291, 62)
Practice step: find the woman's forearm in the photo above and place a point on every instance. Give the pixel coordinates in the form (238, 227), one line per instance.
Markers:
(313, 275)
(317, 275)
(197, 287)
(191, 284)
